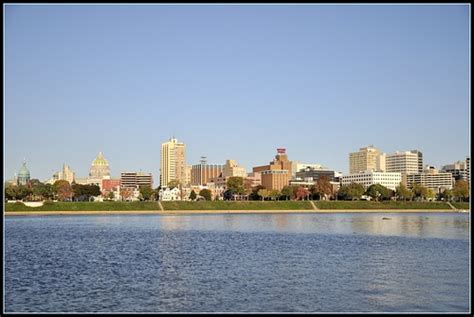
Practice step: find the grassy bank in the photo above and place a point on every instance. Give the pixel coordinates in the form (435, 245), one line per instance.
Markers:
(380, 205)
(236, 205)
(85, 206)
(461, 205)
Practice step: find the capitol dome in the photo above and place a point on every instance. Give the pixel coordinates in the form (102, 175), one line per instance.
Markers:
(100, 160)
(23, 175)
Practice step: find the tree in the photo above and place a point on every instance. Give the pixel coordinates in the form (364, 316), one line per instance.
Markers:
(85, 191)
(446, 195)
(146, 192)
(254, 194)
(403, 193)
(174, 183)
(301, 193)
(236, 185)
(323, 187)
(351, 192)
(274, 194)
(126, 193)
(11, 192)
(63, 190)
(111, 195)
(206, 193)
(430, 194)
(264, 193)
(287, 192)
(419, 191)
(378, 192)
(192, 195)
(461, 190)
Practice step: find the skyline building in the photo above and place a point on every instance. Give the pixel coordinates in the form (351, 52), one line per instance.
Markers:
(136, 179)
(173, 162)
(367, 178)
(99, 168)
(367, 159)
(65, 173)
(432, 179)
(202, 173)
(232, 169)
(277, 174)
(459, 169)
(404, 162)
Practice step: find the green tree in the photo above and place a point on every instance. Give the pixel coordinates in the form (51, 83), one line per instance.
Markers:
(192, 195)
(403, 193)
(378, 192)
(287, 192)
(461, 190)
(236, 185)
(446, 195)
(11, 192)
(430, 194)
(351, 192)
(206, 193)
(111, 195)
(146, 192)
(264, 193)
(274, 194)
(174, 183)
(419, 192)
(254, 194)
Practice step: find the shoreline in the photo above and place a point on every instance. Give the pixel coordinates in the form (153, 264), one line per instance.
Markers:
(197, 212)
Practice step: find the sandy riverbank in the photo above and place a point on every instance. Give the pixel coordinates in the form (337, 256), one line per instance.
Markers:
(190, 212)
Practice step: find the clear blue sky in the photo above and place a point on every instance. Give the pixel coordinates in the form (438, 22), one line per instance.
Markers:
(233, 81)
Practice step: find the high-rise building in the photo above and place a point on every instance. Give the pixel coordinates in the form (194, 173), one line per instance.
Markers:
(315, 173)
(136, 179)
(277, 174)
(173, 162)
(366, 159)
(406, 163)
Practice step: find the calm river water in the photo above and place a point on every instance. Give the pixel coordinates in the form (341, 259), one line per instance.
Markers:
(238, 263)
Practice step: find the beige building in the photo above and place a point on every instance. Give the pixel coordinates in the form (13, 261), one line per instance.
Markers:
(406, 163)
(64, 174)
(231, 169)
(173, 162)
(432, 179)
(277, 174)
(367, 159)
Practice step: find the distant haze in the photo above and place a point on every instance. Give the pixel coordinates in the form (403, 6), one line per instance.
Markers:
(232, 82)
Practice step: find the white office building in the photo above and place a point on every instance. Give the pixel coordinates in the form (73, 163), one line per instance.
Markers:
(367, 178)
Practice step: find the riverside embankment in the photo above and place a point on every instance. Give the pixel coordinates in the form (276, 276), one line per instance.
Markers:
(219, 207)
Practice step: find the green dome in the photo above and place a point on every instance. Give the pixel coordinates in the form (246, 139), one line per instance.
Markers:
(23, 172)
(100, 161)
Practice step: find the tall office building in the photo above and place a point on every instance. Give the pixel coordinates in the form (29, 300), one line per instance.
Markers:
(202, 173)
(406, 163)
(173, 162)
(367, 159)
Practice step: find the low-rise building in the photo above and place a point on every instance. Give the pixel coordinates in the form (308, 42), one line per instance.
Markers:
(136, 179)
(458, 169)
(167, 194)
(432, 179)
(367, 178)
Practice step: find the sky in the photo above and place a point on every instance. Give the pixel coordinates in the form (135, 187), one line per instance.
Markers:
(232, 82)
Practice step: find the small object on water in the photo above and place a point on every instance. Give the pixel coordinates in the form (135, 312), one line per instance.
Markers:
(385, 218)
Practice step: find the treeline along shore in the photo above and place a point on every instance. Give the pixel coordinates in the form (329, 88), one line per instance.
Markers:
(241, 206)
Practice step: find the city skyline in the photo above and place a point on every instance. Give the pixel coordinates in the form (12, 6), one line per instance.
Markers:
(232, 82)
